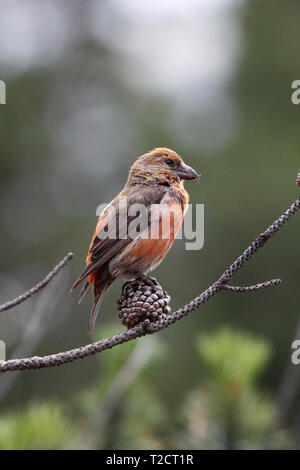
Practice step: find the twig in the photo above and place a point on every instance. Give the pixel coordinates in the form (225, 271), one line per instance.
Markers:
(260, 285)
(37, 362)
(21, 298)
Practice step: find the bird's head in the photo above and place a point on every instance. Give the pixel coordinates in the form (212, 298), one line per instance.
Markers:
(163, 166)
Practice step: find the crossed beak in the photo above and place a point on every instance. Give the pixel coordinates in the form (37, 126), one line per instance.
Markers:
(188, 173)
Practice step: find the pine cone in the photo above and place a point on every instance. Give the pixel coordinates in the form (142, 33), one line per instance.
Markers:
(142, 301)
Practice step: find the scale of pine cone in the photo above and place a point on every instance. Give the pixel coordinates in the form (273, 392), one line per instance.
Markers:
(142, 301)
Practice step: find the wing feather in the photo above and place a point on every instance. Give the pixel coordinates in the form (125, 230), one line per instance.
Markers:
(102, 250)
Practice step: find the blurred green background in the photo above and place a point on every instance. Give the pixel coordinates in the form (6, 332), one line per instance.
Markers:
(90, 86)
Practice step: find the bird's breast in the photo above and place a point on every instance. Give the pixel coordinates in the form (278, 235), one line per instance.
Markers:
(147, 251)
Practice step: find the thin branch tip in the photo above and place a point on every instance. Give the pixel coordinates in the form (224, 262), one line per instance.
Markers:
(38, 287)
(258, 286)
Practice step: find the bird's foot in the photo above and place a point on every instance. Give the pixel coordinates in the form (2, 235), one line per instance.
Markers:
(151, 281)
(148, 279)
(126, 287)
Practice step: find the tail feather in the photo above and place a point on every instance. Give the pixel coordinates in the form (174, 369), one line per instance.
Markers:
(94, 312)
(86, 288)
(100, 289)
(77, 282)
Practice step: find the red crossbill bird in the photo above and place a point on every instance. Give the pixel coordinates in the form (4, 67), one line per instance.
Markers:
(155, 181)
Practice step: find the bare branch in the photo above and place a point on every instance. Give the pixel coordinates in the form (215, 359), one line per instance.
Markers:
(21, 298)
(37, 362)
(260, 285)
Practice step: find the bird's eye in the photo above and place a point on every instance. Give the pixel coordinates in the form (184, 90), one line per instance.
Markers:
(169, 162)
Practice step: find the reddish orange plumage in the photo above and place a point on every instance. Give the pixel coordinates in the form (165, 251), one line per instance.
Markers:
(156, 182)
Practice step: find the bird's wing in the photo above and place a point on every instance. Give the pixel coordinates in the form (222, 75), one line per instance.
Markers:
(109, 239)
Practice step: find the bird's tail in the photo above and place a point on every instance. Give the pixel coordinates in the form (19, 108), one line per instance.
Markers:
(101, 285)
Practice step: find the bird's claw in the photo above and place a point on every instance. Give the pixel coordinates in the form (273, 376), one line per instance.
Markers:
(135, 283)
(153, 281)
(148, 280)
(125, 288)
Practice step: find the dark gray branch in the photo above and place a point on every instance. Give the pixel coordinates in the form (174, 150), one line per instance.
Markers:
(37, 362)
